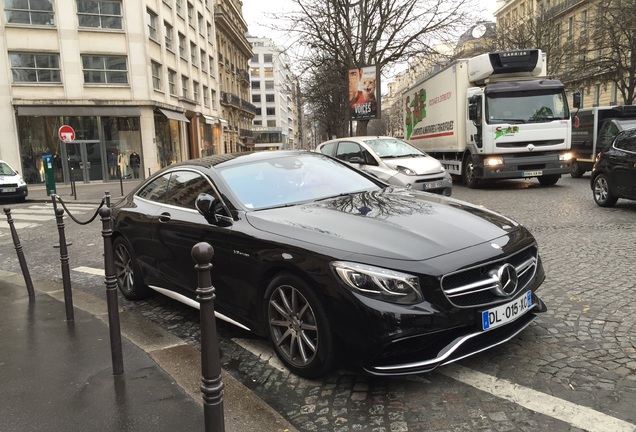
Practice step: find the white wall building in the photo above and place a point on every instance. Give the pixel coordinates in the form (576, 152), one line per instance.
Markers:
(129, 77)
(275, 95)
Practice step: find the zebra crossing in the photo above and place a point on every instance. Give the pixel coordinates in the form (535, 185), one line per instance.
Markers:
(36, 215)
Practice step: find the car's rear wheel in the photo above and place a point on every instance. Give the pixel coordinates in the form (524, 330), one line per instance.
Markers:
(298, 327)
(127, 272)
(602, 193)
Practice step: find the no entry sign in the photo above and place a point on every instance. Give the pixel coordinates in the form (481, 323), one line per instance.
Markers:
(66, 133)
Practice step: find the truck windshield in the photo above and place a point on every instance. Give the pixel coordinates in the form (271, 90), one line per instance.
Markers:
(526, 107)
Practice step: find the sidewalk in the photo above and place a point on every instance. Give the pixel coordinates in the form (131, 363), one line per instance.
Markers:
(84, 192)
(57, 375)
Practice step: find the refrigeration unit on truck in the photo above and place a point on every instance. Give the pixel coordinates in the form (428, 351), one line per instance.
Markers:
(595, 128)
(493, 116)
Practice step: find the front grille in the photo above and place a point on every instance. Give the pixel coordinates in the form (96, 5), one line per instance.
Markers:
(9, 185)
(474, 286)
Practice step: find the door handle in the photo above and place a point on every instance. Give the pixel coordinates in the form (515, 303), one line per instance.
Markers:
(165, 217)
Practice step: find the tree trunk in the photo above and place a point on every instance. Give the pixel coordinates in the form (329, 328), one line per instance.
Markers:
(361, 127)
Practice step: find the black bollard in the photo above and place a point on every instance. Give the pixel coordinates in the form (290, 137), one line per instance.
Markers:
(111, 293)
(211, 384)
(107, 198)
(66, 274)
(18, 249)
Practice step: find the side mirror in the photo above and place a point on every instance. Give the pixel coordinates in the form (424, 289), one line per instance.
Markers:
(473, 112)
(356, 160)
(213, 210)
(576, 100)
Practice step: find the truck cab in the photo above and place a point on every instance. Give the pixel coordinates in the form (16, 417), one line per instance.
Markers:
(594, 129)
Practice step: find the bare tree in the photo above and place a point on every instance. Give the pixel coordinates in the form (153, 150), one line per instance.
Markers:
(358, 33)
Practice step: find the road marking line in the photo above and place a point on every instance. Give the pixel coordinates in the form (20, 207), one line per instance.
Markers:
(18, 225)
(31, 217)
(577, 415)
(90, 270)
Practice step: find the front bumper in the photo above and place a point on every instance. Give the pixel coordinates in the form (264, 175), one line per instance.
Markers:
(525, 166)
(13, 192)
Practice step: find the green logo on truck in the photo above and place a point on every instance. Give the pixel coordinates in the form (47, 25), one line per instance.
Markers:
(415, 111)
(506, 130)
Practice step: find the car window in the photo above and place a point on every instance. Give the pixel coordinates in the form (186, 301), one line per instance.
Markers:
(626, 141)
(609, 131)
(185, 187)
(156, 189)
(347, 150)
(327, 149)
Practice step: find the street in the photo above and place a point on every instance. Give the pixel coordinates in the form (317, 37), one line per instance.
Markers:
(573, 369)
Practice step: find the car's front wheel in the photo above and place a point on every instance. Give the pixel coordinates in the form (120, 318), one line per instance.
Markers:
(602, 193)
(127, 272)
(298, 327)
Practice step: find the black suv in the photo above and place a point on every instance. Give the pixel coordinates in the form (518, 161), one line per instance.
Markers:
(614, 173)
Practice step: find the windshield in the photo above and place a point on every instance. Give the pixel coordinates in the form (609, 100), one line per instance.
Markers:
(292, 179)
(392, 148)
(6, 169)
(526, 108)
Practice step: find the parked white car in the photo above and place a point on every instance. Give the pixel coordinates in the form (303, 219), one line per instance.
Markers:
(393, 160)
(12, 185)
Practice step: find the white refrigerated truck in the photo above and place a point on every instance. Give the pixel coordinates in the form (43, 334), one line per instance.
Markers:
(493, 116)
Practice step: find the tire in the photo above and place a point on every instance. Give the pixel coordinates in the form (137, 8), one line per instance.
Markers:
(549, 180)
(468, 173)
(602, 193)
(127, 271)
(298, 327)
(575, 170)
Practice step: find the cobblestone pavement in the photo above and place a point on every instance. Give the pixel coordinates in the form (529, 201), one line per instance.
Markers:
(582, 351)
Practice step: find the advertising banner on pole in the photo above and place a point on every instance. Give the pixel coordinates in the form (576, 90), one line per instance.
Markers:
(364, 93)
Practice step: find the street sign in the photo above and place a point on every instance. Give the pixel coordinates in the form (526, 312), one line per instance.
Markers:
(66, 133)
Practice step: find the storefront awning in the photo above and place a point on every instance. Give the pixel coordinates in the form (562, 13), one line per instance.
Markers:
(174, 115)
(210, 120)
(223, 123)
(76, 110)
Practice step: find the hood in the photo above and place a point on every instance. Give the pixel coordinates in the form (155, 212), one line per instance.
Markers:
(391, 223)
(420, 165)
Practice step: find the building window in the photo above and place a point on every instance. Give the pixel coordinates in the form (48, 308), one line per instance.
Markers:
(614, 99)
(255, 71)
(256, 85)
(269, 85)
(269, 98)
(33, 12)
(597, 95)
(254, 58)
(211, 64)
(271, 123)
(182, 46)
(184, 87)
(213, 98)
(167, 29)
(168, 2)
(195, 90)
(193, 53)
(156, 75)
(256, 98)
(258, 122)
(570, 28)
(209, 31)
(206, 96)
(271, 111)
(100, 14)
(267, 58)
(190, 14)
(179, 6)
(583, 23)
(104, 69)
(202, 57)
(172, 77)
(200, 23)
(268, 71)
(151, 19)
(28, 67)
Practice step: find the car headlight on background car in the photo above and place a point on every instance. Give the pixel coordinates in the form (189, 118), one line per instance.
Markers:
(565, 157)
(380, 283)
(405, 170)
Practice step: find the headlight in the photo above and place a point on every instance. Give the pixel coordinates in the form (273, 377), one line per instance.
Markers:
(565, 157)
(21, 182)
(406, 171)
(380, 283)
(493, 161)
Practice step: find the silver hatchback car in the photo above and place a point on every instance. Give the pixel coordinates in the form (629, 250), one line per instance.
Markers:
(393, 160)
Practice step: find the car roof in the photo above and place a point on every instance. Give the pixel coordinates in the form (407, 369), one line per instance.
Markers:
(238, 158)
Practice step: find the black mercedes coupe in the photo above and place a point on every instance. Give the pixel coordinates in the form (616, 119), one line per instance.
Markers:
(330, 263)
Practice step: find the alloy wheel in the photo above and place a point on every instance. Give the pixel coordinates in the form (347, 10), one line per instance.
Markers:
(601, 189)
(123, 269)
(293, 325)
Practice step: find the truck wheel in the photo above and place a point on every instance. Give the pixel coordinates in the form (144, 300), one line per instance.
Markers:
(469, 177)
(549, 180)
(575, 170)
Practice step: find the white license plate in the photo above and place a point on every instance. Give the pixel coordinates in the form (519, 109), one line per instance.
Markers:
(7, 190)
(432, 185)
(506, 313)
(531, 173)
